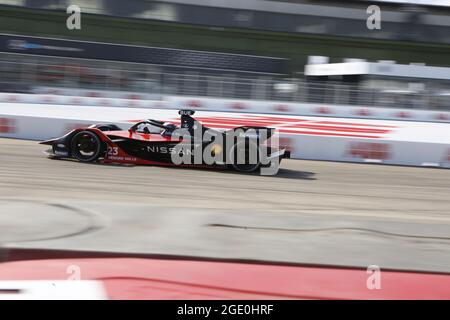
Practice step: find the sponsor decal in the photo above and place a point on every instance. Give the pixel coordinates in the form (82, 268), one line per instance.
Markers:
(134, 97)
(76, 100)
(363, 112)
(169, 150)
(323, 110)
(369, 150)
(194, 104)
(12, 98)
(122, 158)
(442, 117)
(114, 153)
(61, 153)
(105, 102)
(22, 45)
(94, 94)
(7, 125)
(281, 108)
(47, 99)
(403, 114)
(238, 106)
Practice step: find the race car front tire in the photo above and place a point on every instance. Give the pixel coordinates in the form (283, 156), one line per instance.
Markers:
(86, 146)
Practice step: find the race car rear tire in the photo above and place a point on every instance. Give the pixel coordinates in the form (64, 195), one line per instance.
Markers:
(246, 167)
(86, 146)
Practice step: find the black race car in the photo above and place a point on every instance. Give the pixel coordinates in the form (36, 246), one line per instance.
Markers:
(153, 142)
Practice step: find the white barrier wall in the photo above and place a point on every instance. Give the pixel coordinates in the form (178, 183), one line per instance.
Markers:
(317, 138)
(40, 128)
(369, 151)
(242, 106)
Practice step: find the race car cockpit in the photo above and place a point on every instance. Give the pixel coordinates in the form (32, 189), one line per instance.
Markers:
(167, 128)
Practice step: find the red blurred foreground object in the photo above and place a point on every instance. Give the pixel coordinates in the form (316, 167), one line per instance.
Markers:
(138, 278)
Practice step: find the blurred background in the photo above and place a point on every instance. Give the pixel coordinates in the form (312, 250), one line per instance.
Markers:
(292, 50)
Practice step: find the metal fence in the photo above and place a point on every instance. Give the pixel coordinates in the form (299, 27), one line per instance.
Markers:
(23, 73)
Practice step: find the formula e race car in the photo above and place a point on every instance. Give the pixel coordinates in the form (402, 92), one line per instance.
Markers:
(153, 142)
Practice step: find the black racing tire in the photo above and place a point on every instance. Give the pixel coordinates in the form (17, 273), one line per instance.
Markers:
(243, 167)
(86, 146)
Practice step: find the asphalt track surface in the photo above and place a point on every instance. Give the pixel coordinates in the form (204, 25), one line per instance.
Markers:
(312, 212)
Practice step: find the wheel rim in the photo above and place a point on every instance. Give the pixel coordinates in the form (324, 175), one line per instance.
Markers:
(86, 146)
(236, 158)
